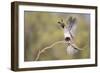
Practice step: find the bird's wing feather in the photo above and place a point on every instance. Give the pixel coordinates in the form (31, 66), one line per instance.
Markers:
(71, 25)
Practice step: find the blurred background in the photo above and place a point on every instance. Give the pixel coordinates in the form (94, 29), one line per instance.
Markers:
(42, 30)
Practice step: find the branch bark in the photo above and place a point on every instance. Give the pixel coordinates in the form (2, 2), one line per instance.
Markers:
(44, 49)
(58, 42)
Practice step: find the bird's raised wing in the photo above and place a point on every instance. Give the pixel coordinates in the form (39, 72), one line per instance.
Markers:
(71, 25)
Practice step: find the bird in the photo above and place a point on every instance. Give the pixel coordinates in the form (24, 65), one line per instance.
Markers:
(69, 35)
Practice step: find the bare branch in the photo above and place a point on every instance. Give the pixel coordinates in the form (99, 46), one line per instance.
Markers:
(44, 49)
(58, 42)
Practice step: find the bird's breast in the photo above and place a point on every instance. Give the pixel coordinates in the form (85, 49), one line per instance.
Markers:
(71, 51)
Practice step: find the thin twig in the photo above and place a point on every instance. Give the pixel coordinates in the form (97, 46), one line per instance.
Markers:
(44, 49)
(74, 46)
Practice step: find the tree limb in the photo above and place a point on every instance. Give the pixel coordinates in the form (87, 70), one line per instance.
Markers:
(44, 49)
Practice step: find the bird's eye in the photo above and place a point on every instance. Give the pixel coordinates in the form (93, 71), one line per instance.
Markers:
(67, 39)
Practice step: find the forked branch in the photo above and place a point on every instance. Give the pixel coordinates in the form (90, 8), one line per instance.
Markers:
(58, 42)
